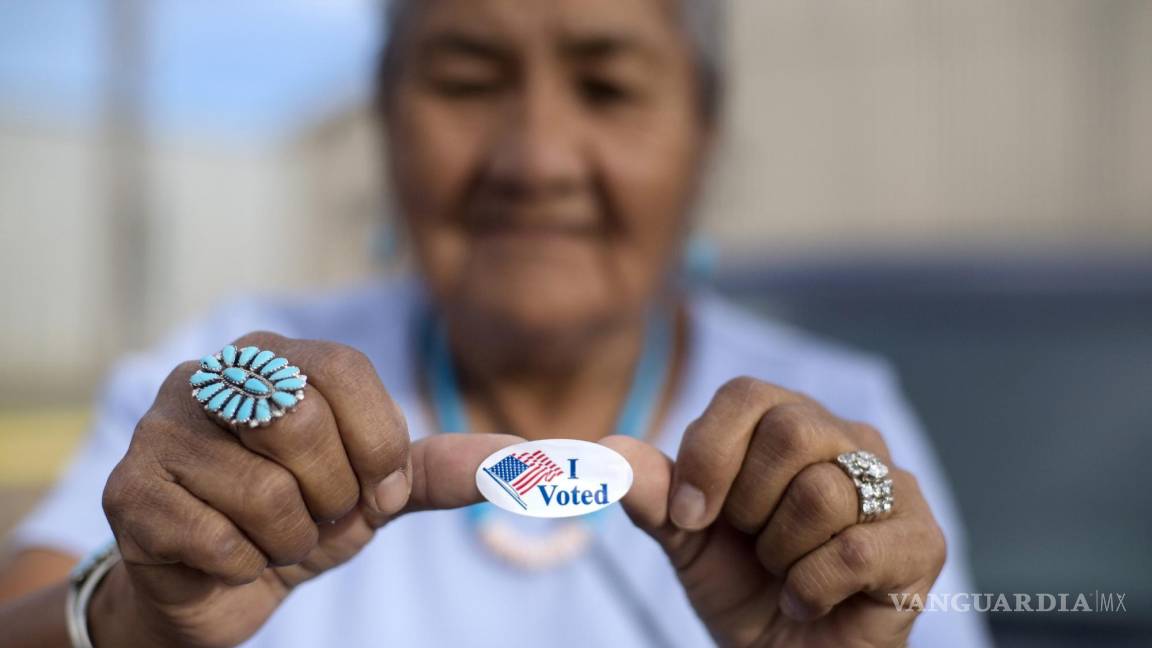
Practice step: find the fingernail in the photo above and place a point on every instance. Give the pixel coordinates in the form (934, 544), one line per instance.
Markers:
(792, 607)
(688, 507)
(392, 493)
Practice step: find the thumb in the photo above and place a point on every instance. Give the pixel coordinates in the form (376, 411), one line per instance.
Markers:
(443, 471)
(647, 501)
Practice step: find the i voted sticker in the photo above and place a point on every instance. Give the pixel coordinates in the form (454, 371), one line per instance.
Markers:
(554, 478)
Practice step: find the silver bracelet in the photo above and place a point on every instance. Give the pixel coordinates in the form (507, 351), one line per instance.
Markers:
(82, 583)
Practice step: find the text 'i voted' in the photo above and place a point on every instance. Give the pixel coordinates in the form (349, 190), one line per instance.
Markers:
(554, 478)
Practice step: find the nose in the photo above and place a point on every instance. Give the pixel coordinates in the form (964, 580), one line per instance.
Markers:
(538, 153)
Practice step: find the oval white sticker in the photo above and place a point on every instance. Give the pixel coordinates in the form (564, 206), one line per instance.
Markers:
(554, 478)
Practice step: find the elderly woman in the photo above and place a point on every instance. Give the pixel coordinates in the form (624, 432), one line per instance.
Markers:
(545, 156)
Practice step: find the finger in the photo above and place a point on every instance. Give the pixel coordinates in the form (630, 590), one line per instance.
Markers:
(787, 439)
(714, 446)
(443, 470)
(307, 443)
(259, 496)
(820, 502)
(646, 502)
(338, 543)
(371, 427)
(713, 565)
(159, 523)
(901, 554)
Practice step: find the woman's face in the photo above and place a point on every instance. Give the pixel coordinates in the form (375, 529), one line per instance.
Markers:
(544, 155)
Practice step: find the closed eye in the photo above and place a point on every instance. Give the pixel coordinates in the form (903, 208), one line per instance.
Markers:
(603, 92)
(465, 88)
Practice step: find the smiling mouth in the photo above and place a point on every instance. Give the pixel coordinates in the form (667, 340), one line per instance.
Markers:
(533, 229)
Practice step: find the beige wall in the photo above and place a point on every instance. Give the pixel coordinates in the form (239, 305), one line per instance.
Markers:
(937, 124)
(224, 219)
(54, 262)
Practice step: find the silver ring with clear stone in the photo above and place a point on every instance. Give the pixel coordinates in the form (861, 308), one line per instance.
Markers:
(870, 476)
(247, 388)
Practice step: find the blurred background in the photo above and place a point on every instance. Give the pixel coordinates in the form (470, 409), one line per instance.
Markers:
(964, 186)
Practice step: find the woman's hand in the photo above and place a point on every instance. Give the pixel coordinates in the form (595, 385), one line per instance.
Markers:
(216, 527)
(761, 525)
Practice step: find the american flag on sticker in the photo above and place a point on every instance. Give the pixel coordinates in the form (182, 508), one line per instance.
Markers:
(519, 473)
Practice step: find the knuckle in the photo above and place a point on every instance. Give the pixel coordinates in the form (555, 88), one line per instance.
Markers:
(342, 360)
(277, 511)
(310, 425)
(742, 390)
(789, 429)
(694, 427)
(221, 546)
(347, 494)
(909, 483)
(184, 369)
(807, 586)
(281, 525)
(868, 435)
(179, 374)
(178, 377)
(340, 495)
(153, 542)
(157, 424)
(389, 451)
(155, 419)
(228, 554)
(170, 417)
(770, 557)
(260, 338)
(148, 530)
(814, 496)
(113, 498)
(296, 447)
(857, 551)
(297, 540)
(273, 488)
(174, 392)
(697, 444)
(937, 547)
(745, 512)
(127, 490)
(270, 494)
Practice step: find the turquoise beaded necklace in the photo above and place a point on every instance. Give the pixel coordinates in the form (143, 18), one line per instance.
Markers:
(635, 418)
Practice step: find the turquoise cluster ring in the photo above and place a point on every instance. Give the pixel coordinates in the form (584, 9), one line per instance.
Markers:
(247, 387)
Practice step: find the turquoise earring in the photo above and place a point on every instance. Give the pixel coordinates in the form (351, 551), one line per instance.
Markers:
(698, 263)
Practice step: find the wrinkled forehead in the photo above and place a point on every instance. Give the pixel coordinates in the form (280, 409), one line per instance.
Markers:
(666, 26)
(640, 25)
